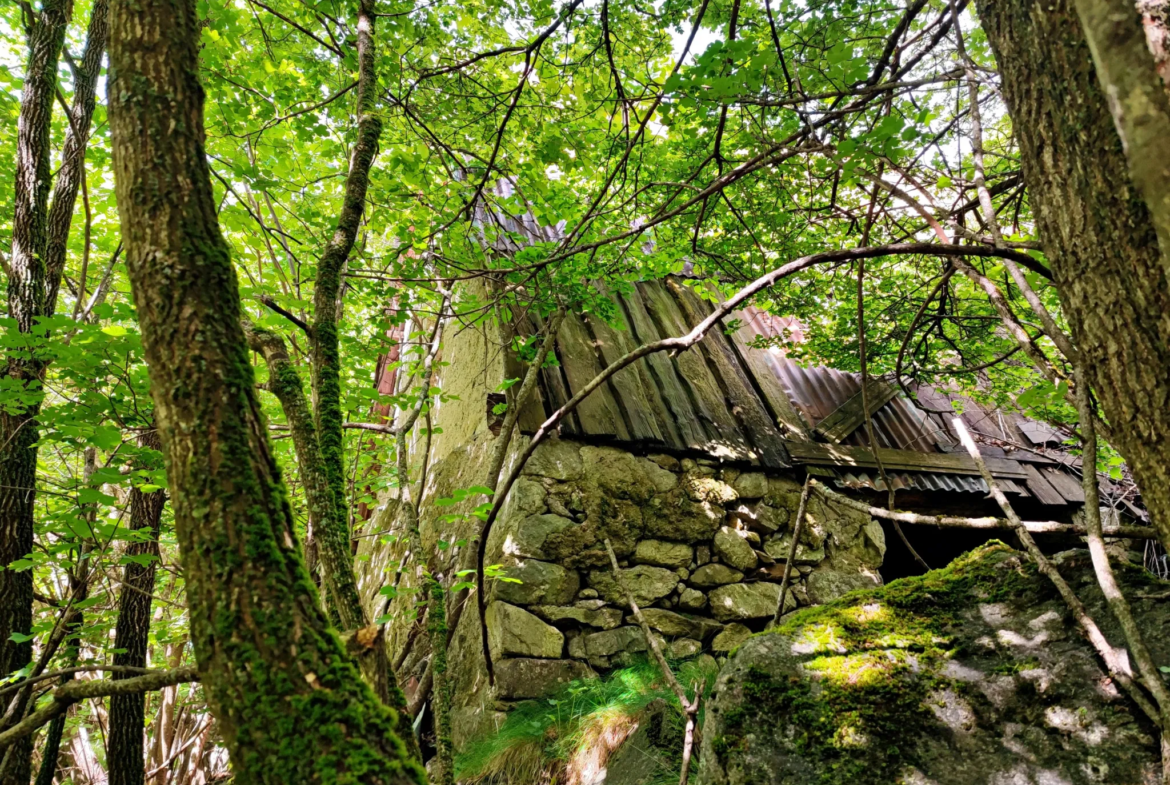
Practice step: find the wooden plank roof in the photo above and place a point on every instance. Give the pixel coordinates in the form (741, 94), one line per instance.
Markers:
(731, 399)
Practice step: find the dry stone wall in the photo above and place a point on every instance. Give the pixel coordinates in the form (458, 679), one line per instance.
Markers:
(702, 547)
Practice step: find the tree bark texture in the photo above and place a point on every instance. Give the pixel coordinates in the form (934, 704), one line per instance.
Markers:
(1137, 100)
(124, 759)
(1095, 228)
(26, 304)
(289, 702)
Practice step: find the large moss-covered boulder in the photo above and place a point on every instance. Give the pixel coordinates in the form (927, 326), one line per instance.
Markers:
(974, 674)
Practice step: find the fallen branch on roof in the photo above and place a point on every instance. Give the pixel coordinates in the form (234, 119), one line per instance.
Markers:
(954, 522)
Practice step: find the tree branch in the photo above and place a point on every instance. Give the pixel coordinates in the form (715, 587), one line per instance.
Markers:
(75, 691)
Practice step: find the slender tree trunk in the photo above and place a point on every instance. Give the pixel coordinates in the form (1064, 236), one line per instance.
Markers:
(78, 591)
(289, 702)
(124, 755)
(1095, 228)
(327, 292)
(73, 156)
(367, 645)
(26, 303)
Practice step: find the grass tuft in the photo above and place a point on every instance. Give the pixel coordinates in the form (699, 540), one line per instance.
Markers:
(562, 739)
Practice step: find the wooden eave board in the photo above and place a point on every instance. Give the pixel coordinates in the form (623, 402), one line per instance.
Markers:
(850, 415)
(725, 436)
(557, 392)
(754, 418)
(764, 369)
(675, 393)
(900, 460)
(1068, 486)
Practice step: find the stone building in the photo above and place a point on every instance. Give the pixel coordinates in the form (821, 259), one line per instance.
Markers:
(692, 467)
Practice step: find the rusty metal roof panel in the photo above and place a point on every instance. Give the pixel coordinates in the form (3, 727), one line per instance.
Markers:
(922, 481)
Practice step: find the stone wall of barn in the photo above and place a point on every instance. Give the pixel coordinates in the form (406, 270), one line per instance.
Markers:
(703, 546)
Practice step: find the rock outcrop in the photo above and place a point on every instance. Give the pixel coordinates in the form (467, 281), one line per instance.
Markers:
(971, 675)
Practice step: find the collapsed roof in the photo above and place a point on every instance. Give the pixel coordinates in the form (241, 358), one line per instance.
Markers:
(731, 400)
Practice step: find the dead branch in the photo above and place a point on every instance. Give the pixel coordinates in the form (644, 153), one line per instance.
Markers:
(690, 707)
(953, 522)
(74, 691)
(808, 484)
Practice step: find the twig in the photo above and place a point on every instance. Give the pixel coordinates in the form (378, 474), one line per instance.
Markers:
(292, 317)
(808, 484)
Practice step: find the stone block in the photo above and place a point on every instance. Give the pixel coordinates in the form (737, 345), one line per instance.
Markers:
(830, 582)
(734, 550)
(541, 583)
(675, 517)
(741, 601)
(663, 554)
(778, 547)
(514, 632)
(526, 678)
(751, 485)
(527, 497)
(602, 618)
(715, 575)
(684, 648)
(527, 540)
(644, 582)
(692, 600)
(607, 643)
(556, 459)
(675, 625)
(733, 635)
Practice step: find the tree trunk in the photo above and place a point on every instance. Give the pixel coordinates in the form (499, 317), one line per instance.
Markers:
(1095, 228)
(26, 303)
(327, 291)
(289, 703)
(124, 759)
(337, 563)
(73, 156)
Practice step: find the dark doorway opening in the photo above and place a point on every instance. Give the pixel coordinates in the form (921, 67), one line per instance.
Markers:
(938, 547)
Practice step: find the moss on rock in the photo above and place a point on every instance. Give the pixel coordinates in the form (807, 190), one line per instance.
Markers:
(961, 675)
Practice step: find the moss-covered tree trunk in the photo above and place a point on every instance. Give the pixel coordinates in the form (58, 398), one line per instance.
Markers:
(366, 644)
(1095, 228)
(124, 760)
(289, 702)
(327, 291)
